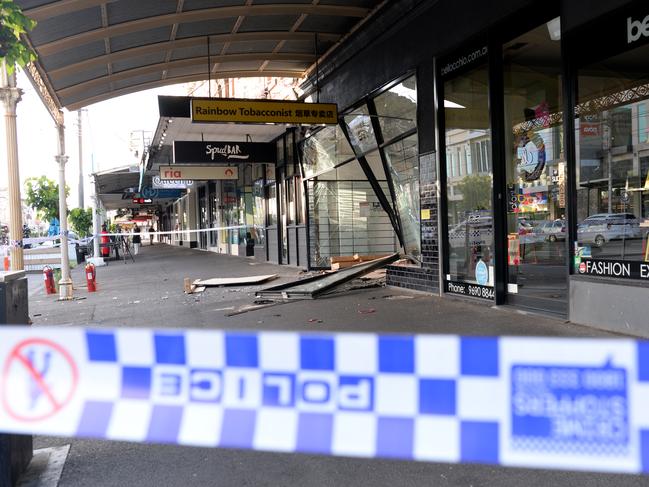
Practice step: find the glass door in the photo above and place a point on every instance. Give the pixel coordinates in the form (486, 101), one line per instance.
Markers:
(535, 163)
(469, 237)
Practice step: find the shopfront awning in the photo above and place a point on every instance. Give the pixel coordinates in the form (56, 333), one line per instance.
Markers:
(116, 188)
(93, 50)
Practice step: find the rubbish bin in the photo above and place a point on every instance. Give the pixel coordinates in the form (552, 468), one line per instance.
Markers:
(15, 450)
(81, 251)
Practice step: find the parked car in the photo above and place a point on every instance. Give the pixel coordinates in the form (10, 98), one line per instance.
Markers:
(480, 231)
(479, 228)
(552, 231)
(604, 227)
(525, 227)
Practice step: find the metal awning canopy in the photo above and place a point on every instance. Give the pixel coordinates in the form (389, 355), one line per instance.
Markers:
(114, 186)
(93, 50)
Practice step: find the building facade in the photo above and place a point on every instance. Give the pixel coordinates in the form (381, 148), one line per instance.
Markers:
(529, 145)
(504, 153)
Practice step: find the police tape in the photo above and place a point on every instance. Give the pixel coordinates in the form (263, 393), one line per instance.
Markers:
(578, 404)
(147, 233)
(144, 234)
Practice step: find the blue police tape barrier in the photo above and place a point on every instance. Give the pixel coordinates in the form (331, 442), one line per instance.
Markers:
(579, 404)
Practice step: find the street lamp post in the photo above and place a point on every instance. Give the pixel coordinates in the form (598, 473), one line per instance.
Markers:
(11, 95)
(65, 284)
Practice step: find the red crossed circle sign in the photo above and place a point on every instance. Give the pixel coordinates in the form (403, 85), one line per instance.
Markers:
(33, 392)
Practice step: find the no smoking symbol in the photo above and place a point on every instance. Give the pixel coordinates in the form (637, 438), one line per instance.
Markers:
(39, 379)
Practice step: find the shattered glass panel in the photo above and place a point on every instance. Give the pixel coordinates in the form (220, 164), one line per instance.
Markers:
(397, 109)
(361, 133)
(324, 150)
(403, 164)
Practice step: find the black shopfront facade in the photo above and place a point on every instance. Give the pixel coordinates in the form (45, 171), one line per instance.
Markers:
(533, 149)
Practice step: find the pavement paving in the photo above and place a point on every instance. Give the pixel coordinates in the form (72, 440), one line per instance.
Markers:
(149, 293)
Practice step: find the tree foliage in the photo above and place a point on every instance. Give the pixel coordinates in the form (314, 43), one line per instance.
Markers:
(476, 192)
(13, 23)
(43, 195)
(81, 221)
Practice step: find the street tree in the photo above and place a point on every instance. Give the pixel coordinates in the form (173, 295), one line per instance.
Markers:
(43, 195)
(476, 192)
(13, 23)
(81, 221)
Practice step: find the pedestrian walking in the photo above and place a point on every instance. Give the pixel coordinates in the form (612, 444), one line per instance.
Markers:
(136, 239)
(151, 230)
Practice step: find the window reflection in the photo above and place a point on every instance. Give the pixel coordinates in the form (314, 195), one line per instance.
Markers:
(468, 173)
(613, 158)
(535, 167)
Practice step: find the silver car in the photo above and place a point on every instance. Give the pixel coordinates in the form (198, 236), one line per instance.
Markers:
(604, 227)
(552, 231)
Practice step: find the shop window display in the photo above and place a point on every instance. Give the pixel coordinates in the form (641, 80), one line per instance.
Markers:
(345, 218)
(468, 143)
(535, 167)
(613, 158)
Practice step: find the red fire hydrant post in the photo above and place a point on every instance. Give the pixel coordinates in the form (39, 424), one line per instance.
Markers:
(91, 278)
(48, 277)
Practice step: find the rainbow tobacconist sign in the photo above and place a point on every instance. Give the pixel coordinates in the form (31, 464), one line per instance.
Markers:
(263, 111)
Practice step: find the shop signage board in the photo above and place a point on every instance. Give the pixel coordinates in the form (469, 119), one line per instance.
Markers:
(262, 111)
(199, 173)
(158, 183)
(149, 192)
(468, 289)
(191, 152)
(620, 269)
(464, 60)
(626, 28)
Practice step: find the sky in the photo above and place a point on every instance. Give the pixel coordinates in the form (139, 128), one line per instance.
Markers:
(106, 128)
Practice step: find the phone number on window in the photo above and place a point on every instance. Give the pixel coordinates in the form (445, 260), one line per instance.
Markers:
(473, 290)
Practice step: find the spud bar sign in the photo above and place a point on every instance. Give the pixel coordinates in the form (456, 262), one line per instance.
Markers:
(193, 152)
(263, 111)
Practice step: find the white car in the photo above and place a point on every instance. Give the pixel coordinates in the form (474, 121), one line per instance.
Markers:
(603, 227)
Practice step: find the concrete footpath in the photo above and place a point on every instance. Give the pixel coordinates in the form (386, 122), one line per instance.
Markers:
(149, 293)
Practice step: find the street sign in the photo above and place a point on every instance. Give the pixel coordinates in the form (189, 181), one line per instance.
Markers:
(191, 152)
(158, 183)
(149, 192)
(39, 379)
(200, 173)
(262, 111)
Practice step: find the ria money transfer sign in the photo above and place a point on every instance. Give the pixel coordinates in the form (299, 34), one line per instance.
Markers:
(262, 111)
(198, 173)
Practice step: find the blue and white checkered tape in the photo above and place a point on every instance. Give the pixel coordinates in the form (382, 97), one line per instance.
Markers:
(534, 402)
